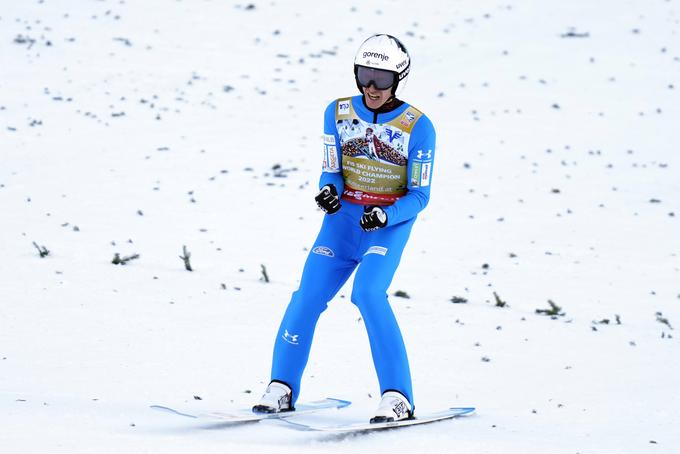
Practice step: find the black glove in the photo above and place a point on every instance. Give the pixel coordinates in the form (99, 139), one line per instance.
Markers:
(328, 199)
(374, 218)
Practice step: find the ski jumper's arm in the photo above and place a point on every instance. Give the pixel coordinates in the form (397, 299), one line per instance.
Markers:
(332, 153)
(418, 173)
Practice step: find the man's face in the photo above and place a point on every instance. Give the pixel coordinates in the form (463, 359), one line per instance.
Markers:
(376, 98)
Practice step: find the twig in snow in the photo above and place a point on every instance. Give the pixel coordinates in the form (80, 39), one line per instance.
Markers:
(118, 260)
(280, 172)
(661, 319)
(499, 301)
(572, 33)
(606, 321)
(186, 257)
(42, 250)
(554, 311)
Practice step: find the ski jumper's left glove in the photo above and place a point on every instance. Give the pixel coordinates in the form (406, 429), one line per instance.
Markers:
(374, 218)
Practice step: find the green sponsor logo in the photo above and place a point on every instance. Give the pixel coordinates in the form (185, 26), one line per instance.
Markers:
(415, 174)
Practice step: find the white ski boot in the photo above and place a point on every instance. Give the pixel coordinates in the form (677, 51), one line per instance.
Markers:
(394, 406)
(276, 398)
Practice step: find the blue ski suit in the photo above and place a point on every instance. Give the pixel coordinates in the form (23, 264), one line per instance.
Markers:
(377, 159)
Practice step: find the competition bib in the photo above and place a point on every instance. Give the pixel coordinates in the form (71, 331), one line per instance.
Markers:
(374, 156)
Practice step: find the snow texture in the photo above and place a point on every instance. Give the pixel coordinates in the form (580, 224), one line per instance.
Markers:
(137, 128)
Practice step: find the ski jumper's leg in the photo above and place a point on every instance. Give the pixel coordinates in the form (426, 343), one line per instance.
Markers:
(382, 251)
(328, 266)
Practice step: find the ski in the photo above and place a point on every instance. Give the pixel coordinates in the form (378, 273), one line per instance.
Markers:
(367, 426)
(247, 415)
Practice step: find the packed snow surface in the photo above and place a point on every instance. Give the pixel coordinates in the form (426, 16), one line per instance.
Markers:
(138, 128)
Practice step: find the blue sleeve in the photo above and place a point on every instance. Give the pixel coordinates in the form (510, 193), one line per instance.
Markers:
(419, 174)
(332, 154)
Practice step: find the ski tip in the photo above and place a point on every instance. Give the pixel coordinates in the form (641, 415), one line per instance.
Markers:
(462, 410)
(297, 426)
(161, 408)
(340, 403)
(171, 410)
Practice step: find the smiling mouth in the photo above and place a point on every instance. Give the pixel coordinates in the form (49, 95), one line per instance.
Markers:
(373, 97)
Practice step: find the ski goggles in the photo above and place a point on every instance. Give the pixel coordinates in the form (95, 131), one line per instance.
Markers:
(380, 78)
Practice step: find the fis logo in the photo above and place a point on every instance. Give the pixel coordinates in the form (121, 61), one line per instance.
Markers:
(290, 338)
(343, 108)
(392, 134)
(426, 155)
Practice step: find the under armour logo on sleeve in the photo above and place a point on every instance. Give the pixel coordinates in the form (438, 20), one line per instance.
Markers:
(426, 155)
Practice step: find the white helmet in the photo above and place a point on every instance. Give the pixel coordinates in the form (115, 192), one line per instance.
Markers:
(387, 53)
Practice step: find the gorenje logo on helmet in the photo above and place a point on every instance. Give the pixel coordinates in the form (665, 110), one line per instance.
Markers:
(383, 57)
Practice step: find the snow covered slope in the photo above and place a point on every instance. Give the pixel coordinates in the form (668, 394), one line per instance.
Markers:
(142, 127)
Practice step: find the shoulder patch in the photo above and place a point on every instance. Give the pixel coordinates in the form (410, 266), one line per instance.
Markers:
(407, 120)
(344, 108)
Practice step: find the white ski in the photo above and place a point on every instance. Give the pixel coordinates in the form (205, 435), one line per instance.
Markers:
(367, 426)
(247, 415)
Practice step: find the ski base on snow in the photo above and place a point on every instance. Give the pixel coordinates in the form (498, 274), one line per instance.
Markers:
(248, 415)
(367, 426)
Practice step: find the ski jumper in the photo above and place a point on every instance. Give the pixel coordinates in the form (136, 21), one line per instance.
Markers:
(382, 159)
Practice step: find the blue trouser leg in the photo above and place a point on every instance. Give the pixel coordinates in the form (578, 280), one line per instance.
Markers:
(327, 268)
(339, 247)
(369, 294)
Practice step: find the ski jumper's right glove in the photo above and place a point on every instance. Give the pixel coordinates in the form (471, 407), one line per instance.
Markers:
(374, 218)
(328, 199)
